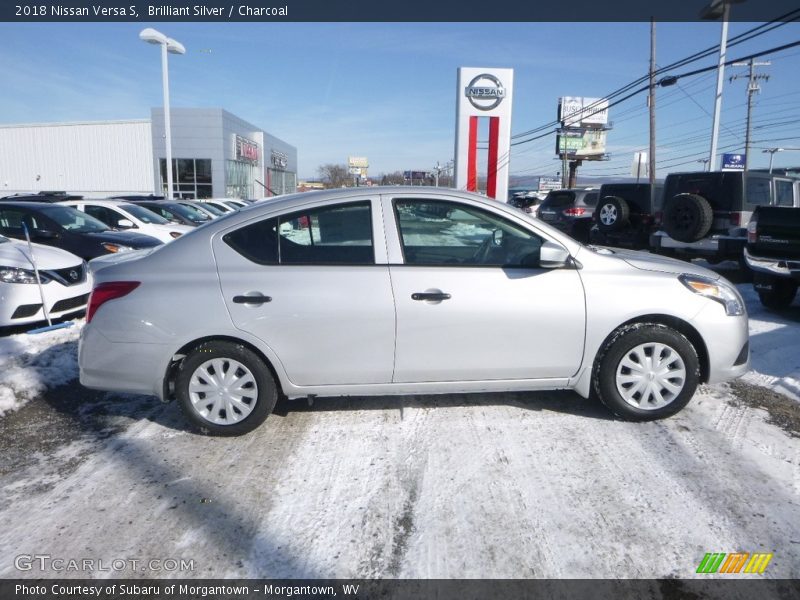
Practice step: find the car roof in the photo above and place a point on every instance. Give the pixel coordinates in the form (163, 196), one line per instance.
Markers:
(33, 205)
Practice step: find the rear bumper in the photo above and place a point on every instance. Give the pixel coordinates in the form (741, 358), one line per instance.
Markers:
(106, 365)
(719, 245)
(780, 267)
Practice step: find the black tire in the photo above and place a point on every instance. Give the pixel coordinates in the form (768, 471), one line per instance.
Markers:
(630, 344)
(687, 217)
(613, 213)
(777, 292)
(250, 369)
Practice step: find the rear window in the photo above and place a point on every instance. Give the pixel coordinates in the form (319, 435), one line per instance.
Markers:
(558, 199)
(724, 191)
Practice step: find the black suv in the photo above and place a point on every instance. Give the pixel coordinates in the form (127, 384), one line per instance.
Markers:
(570, 210)
(625, 215)
(706, 213)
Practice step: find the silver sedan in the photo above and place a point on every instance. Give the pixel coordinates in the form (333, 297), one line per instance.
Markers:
(373, 291)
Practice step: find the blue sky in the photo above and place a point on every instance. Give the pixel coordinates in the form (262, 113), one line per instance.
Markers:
(387, 90)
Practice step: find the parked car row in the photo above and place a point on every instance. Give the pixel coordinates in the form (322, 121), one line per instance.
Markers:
(54, 234)
(694, 214)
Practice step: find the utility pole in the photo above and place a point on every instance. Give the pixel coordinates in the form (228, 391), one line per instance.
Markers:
(752, 88)
(652, 104)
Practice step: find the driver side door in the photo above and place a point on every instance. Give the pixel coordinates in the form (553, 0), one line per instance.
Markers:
(472, 301)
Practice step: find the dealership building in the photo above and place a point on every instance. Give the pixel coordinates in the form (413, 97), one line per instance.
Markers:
(215, 154)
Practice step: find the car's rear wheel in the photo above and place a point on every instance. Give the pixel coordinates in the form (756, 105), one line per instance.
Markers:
(225, 389)
(646, 371)
(613, 213)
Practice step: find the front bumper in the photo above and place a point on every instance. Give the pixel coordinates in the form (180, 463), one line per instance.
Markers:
(21, 304)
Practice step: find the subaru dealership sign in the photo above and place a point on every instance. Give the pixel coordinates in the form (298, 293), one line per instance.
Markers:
(733, 162)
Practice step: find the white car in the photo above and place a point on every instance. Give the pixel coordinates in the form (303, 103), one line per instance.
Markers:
(362, 292)
(124, 215)
(66, 283)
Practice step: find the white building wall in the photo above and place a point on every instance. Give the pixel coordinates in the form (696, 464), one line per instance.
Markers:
(95, 159)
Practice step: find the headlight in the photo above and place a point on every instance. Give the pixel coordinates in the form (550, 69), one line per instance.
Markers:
(17, 275)
(116, 247)
(716, 290)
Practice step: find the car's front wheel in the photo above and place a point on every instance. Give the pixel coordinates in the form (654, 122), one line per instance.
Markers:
(646, 371)
(225, 389)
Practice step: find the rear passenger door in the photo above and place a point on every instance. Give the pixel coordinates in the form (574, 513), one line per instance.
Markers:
(314, 286)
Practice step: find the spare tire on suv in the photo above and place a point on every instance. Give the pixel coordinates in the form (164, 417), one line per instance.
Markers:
(687, 217)
(613, 213)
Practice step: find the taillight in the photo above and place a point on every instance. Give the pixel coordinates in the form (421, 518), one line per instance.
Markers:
(175, 234)
(752, 232)
(574, 212)
(659, 216)
(108, 291)
(735, 217)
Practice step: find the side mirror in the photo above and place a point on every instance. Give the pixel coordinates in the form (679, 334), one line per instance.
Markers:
(553, 256)
(125, 224)
(45, 234)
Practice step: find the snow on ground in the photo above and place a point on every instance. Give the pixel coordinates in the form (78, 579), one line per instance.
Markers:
(774, 346)
(513, 485)
(33, 363)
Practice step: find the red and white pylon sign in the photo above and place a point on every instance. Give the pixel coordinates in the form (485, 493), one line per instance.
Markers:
(484, 93)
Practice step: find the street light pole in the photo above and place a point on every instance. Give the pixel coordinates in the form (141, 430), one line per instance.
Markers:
(715, 10)
(168, 45)
(772, 152)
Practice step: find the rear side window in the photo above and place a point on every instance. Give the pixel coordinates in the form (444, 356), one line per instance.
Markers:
(333, 235)
(784, 192)
(757, 190)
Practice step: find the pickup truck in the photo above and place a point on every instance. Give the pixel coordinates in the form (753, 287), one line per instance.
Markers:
(773, 254)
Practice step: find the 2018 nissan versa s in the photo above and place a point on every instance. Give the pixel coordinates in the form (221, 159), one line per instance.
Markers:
(402, 290)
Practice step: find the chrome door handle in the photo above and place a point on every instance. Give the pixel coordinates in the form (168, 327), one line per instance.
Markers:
(251, 299)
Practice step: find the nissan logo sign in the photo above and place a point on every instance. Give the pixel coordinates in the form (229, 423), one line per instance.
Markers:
(73, 275)
(485, 92)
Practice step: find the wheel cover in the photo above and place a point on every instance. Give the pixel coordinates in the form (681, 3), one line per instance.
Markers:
(223, 391)
(650, 376)
(608, 214)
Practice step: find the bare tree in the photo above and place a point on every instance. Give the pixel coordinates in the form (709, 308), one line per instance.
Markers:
(395, 178)
(334, 176)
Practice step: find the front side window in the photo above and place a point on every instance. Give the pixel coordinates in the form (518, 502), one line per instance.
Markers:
(332, 235)
(438, 233)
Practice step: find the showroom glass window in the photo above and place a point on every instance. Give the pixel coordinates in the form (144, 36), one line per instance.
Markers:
(192, 177)
(331, 235)
(437, 233)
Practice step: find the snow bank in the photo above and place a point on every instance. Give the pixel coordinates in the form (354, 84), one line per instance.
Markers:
(31, 364)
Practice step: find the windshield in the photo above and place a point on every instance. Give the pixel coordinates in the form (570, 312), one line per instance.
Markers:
(188, 212)
(212, 209)
(144, 215)
(74, 220)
